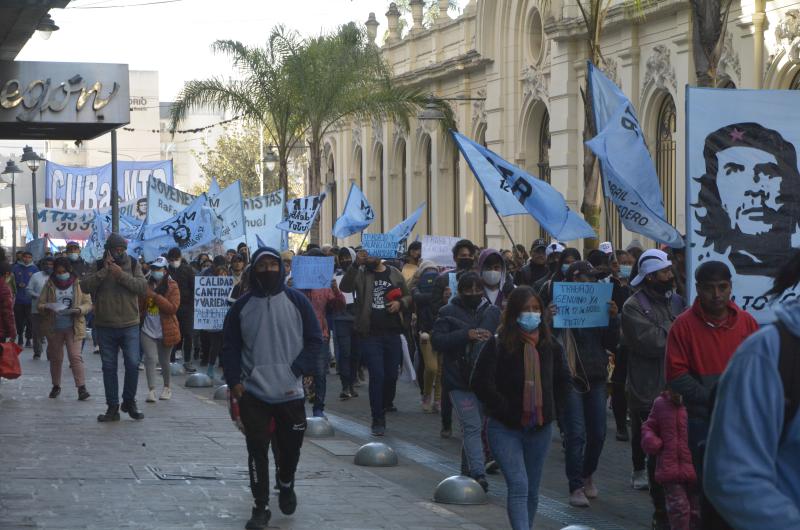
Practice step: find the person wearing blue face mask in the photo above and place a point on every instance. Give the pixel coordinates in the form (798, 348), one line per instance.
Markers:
(519, 377)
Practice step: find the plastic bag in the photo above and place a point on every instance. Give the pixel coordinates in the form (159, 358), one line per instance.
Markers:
(9, 360)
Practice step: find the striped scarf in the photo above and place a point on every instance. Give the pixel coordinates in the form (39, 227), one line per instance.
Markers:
(532, 387)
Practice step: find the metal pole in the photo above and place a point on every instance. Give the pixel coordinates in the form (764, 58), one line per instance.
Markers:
(114, 183)
(513, 245)
(35, 209)
(13, 217)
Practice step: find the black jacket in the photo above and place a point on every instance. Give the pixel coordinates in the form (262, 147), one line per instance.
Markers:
(530, 274)
(592, 346)
(499, 376)
(184, 277)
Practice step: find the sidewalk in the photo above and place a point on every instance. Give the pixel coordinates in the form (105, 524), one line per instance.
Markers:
(184, 466)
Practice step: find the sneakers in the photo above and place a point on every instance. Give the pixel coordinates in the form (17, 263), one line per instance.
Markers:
(151, 396)
(427, 404)
(378, 428)
(189, 368)
(166, 393)
(37, 356)
(492, 467)
(639, 480)
(622, 435)
(96, 351)
(578, 499)
(83, 394)
(259, 519)
(483, 482)
(29, 345)
(319, 414)
(133, 412)
(437, 406)
(141, 367)
(446, 432)
(344, 395)
(55, 392)
(589, 489)
(112, 414)
(353, 393)
(287, 500)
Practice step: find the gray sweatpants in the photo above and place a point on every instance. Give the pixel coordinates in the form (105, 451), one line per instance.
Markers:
(153, 349)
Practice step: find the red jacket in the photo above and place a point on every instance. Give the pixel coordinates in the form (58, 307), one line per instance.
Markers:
(698, 351)
(665, 434)
(323, 301)
(8, 328)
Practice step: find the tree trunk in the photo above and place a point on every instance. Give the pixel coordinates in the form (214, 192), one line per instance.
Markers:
(315, 184)
(283, 176)
(592, 197)
(707, 34)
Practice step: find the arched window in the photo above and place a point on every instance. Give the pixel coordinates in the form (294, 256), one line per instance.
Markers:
(665, 155)
(795, 84)
(544, 156)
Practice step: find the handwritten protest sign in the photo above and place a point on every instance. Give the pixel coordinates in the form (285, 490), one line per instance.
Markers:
(380, 245)
(439, 249)
(581, 304)
(312, 272)
(211, 301)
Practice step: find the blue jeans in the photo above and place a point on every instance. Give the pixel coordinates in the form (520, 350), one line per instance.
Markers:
(468, 410)
(320, 379)
(520, 455)
(347, 356)
(382, 355)
(584, 423)
(111, 341)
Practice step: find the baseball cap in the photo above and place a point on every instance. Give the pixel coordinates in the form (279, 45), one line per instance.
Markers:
(607, 247)
(651, 261)
(73, 244)
(159, 263)
(555, 246)
(539, 243)
(579, 268)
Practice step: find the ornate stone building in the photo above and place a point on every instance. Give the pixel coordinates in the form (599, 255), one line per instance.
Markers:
(527, 59)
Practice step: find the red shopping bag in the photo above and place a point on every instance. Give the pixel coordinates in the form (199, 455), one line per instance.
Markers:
(9, 360)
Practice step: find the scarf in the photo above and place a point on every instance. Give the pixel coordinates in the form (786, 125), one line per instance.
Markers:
(62, 285)
(532, 414)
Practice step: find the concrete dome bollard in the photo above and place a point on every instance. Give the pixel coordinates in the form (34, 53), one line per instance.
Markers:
(376, 454)
(221, 393)
(319, 428)
(199, 381)
(176, 369)
(459, 489)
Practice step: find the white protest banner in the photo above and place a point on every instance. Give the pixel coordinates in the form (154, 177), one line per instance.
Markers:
(261, 214)
(742, 182)
(312, 272)
(300, 214)
(65, 224)
(380, 245)
(187, 230)
(439, 249)
(89, 188)
(164, 201)
(227, 206)
(211, 301)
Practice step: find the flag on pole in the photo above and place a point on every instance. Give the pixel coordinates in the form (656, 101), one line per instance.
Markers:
(95, 246)
(404, 228)
(505, 184)
(300, 213)
(229, 211)
(629, 175)
(357, 214)
(213, 189)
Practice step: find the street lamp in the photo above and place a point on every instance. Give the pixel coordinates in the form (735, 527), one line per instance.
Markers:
(12, 169)
(33, 161)
(271, 160)
(46, 26)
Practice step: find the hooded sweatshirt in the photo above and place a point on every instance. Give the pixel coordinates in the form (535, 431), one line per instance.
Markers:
(421, 287)
(497, 294)
(752, 473)
(22, 276)
(270, 339)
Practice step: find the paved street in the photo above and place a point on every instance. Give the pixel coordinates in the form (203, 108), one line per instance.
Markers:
(184, 466)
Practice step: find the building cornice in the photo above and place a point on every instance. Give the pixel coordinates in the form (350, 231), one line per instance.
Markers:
(455, 66)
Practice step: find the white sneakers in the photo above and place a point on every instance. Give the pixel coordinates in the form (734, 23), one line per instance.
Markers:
(578, 499)
(166, 393)
(151, 396)
(589, 488)
(639, 480)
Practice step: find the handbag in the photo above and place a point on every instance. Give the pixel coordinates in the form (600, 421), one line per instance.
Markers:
(9, 360)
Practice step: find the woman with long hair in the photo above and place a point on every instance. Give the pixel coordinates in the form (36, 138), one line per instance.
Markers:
(63, 307)
(519, 376)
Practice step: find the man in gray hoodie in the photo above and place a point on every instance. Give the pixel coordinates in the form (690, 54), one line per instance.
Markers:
(115, 283)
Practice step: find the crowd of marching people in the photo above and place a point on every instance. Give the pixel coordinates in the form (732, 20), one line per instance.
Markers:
(706, 399)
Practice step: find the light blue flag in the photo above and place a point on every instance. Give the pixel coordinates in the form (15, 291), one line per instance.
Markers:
(191, 228)
(213, 189)
(357, 214)
(629, 175)
(229, 211)
(95, 245)
(260, 242)
(28, 235)
(404, 228)
(533, 196)
(495, 182)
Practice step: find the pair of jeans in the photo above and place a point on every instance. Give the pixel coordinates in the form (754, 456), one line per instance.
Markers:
(468, 411)
(347, 358)
(112, 340)
(584, 424)
(285, 423)
(520, 453)
(22, 319)
(382, 355)
(36, 326)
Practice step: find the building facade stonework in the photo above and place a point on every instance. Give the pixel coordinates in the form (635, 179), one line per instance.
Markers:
(528, 60)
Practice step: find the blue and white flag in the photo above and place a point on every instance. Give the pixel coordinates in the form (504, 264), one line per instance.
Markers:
(300, 214)
(357, 214)
(213, 189)
(227, 206)
(532, 195)
(193, 227)
(28, 235)
(404, 228)
(95, 245)
(629, 175)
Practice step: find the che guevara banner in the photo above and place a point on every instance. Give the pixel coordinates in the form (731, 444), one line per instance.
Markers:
(743, 188)
(89, 188)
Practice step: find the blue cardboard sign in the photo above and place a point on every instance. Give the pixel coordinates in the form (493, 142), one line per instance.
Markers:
(381, 245)
(312, 272)
(581, 304)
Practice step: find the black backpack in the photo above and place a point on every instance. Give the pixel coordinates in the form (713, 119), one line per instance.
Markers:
(789, 368)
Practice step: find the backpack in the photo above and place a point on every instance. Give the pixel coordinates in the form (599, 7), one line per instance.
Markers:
(676, 303)
(789, 368)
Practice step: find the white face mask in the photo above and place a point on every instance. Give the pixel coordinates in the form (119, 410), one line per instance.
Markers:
(175, 264)
(492, 278)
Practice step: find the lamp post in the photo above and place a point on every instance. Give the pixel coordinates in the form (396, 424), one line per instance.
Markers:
(12, 169)
(32, 160)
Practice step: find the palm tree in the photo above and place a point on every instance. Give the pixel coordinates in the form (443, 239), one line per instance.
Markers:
(343, 76)
(710, 17)
(264, 93)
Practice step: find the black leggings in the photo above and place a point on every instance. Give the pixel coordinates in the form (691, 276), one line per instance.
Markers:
(642, 461)
(186, 323)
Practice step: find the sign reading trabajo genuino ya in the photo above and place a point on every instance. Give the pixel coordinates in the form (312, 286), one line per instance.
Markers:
(77, 94)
